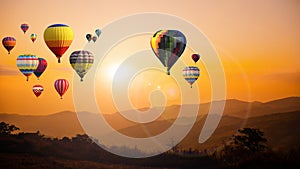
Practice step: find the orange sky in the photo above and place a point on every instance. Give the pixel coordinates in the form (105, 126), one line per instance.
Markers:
(257, 41)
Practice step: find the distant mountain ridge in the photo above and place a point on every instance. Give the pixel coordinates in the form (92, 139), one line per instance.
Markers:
(67, 124)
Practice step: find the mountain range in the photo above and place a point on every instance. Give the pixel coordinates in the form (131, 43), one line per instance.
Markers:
(278, 119)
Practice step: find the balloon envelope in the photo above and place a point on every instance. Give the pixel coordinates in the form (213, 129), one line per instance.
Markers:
(88, 37)
(168, 45)
(81, 61)
(94, 38)
(191, 74)
(9, 43)
(33, 37)
(27, 64)
(61, 86)
(98, 32)
(195, 57)
(37, 90)
(24, 27)
(58, 38)
(41, 67)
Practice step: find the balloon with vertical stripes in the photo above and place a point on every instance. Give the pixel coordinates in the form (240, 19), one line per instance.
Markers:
(61, 86)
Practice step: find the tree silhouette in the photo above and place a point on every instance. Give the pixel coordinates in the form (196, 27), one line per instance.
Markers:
(7, 129)
(243, 146)
(251, 139)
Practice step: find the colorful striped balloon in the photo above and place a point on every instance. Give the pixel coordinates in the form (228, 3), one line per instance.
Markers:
(168, 45)
(27, 64)
(9, 43)
(58, 38)
(61, 86)
(37, 90)
(191, 74)
(81, 61)
(33, 37)
(41, 68)
(24, 27)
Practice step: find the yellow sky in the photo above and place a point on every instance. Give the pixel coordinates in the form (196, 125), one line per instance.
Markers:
(257, 41)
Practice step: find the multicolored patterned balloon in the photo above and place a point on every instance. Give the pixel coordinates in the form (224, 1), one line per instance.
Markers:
(37, 90)
(191, 74)
(168, 45)
(27, 64)
(58, 38)
(61, 86)
(41, 68)
(81, 61)
(9, 43)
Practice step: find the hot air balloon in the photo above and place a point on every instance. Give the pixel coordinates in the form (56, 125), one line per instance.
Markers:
(33, 37)
(89, 37)
(9, 43)
(168, 45)
(24, 27)
(58, 38)
(27, 64)
(61, 86)
(41, 68)
(37, 90)
(191, 74)
(98, 32)
(94, 38)
(81, 61)
(195, 57)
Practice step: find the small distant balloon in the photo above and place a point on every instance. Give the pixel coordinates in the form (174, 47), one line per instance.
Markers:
(9, 43)
(89, 37)
(168, 45)
(33, 37)
(81, 61)
(24, 27)
(191, 74)
(195, 57)
(37, 90)
(98, 32)
(41, 68)
(58, 38)
(94, 38)
(61, 86)
(27, 64)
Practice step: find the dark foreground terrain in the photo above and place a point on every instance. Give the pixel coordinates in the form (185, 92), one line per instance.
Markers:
(34, 151)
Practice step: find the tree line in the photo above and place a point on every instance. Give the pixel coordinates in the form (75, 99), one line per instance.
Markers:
(247, 149)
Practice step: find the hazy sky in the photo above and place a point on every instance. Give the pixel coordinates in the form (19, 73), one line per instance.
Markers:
(257, 41)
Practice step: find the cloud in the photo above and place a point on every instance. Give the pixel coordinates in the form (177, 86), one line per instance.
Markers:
(8, 70)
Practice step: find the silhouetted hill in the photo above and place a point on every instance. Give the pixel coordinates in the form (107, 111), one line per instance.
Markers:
(55, 125)
(235, 115)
